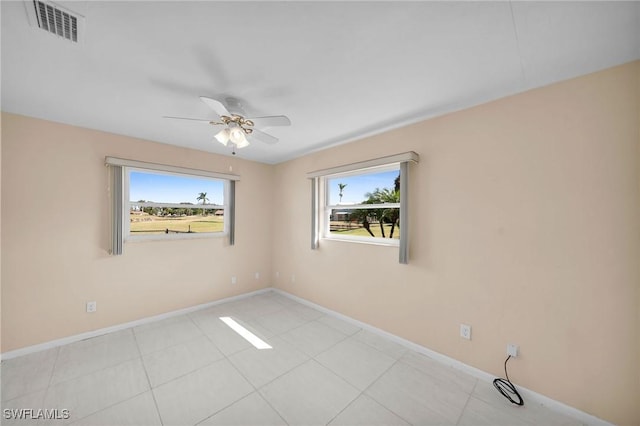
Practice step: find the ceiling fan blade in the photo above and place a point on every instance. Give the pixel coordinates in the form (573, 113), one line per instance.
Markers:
(192, 119)
(271, 121)
(257, 135)
(215, 105)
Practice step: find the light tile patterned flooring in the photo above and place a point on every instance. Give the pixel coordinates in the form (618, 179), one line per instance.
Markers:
(193, 369)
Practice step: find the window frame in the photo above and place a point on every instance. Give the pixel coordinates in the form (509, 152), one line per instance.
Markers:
(404, 159)
(119, 197)
(127, 203)
(325, 208)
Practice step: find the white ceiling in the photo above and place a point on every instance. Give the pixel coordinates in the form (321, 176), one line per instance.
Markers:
(339, 70)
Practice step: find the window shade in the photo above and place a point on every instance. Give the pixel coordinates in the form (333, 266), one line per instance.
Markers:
(117, 209)
(232, 212)
(403, 253)
(314, 214)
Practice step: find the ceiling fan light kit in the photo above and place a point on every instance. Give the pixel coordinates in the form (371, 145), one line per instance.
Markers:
(223, 136)
(239, 131)
(237, 137)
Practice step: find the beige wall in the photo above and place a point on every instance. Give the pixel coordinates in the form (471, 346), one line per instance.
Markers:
(56, 235)
(525, 224)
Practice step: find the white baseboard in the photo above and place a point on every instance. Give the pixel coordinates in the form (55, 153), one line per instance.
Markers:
(99, 332)
(530, 395)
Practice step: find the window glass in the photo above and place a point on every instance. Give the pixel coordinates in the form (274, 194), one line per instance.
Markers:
(167, 203)
(364, 205)
(359, 188)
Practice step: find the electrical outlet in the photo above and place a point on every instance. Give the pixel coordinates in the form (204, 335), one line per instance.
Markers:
(293, 278)
(234, 280)
(277, 274)
(91, 307)
(512, 350)
(465, 331)
(257, 275)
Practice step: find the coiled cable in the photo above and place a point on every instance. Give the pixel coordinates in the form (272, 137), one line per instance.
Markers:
(506, 388)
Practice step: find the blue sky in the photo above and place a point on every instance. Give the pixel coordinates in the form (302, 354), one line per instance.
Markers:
(359, 185)
(173, 189)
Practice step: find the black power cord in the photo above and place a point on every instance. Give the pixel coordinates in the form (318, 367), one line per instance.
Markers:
(506, 388)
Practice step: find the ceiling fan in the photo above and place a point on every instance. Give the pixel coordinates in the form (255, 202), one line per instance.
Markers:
(234, 127)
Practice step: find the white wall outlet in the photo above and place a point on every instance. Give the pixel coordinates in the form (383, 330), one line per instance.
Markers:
(277, 274)
(234, 280)
(91, 307)
(512, 350)
(257, 275)
(293, 278)
(465, 331)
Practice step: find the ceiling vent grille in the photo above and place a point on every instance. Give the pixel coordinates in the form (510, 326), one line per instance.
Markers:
(57, 20)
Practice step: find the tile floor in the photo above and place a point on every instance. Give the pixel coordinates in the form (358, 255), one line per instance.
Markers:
(194, 370)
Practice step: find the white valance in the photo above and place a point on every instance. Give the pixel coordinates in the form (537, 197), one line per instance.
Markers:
(113, 161)
(382, 161)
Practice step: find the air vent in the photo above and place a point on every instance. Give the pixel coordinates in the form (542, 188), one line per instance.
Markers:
(56, 19)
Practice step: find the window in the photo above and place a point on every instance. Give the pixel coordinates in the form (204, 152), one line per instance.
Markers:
(165, 205)
(363, 202)
(155, 201)
(363, 205)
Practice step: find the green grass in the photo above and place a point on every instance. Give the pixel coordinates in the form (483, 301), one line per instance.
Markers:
(359, 231)
(157, 225)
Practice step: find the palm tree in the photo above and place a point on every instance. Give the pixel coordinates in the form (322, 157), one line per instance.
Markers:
(382, 196)
(202, 197)
(341, 186)
(391, 215)
(374, 198)
(361, 215)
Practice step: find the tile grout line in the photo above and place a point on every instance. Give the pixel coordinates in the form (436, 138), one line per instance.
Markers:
(345, 381)
(308, 358)
(272, 407)
(45, 390)
(255, 389)
(105, 368)
(55, 363)
(170, 346)
(108, 406)
(466, 402)
(53, 369)
(378, 349)
(146, 373)
(97, 370)
(225, 357)
(362, 392)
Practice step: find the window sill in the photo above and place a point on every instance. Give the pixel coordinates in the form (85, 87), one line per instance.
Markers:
(387, 242)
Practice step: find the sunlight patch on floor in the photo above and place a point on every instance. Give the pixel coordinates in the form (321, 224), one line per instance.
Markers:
(249, 336)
